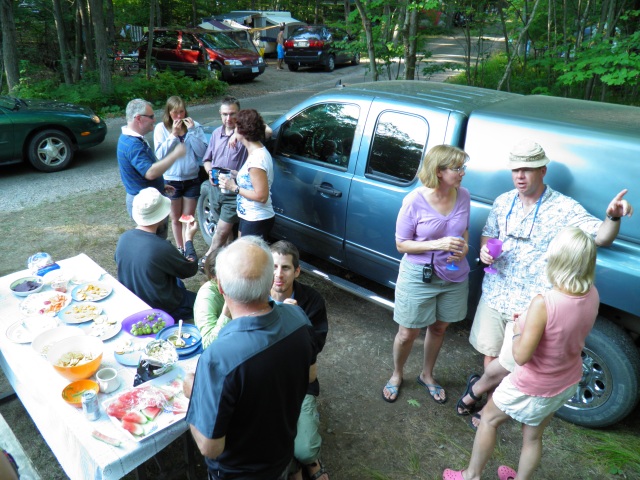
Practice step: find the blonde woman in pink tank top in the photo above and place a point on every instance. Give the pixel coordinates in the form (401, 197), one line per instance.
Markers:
(547, 345)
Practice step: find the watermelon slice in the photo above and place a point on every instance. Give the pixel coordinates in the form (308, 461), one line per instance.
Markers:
(135, 417)
(133, 428)
(179, 405)
(115, 410)
(151, 412)
(187, 218)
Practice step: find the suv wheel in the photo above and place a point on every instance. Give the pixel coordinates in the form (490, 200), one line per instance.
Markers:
(608, 390)
(331, 64)
(293, 67)
(215, 71)
(356, 59)
(207, 216)
(50, 151)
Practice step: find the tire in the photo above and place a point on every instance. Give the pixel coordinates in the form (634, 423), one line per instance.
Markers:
(608, 390)
(356, 59)
(331, 64)
(215, 71)
(293, 67)
(207, 216)
(50, 151)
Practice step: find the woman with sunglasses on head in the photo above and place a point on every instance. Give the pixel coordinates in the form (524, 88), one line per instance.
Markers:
(432, 232)
(178, 128)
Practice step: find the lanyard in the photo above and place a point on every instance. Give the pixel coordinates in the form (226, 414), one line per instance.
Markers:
(535, 214)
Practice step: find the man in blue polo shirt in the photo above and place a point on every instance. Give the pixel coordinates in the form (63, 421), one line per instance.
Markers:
(250, 383)
(138, 165)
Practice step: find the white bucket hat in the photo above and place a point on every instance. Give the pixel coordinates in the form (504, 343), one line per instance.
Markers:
(527, 154)
(150, 207)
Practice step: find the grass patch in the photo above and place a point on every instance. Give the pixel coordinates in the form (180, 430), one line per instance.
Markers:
(618, 452)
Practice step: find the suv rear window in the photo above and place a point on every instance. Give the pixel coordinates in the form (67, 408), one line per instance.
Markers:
(397, 147)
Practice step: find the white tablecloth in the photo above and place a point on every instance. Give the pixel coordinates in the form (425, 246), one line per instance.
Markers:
(39, 387)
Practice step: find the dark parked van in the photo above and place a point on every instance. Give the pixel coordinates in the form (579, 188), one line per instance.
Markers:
(199, 50)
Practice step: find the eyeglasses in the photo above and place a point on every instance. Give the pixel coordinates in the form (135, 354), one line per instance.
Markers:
(148, 116)
(463, 168)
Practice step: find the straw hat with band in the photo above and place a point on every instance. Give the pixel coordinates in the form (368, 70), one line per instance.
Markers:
(150, 207)
(527, 154)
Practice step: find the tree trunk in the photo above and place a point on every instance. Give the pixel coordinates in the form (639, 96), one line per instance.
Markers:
(76, 66)
(87, 34)
(62, 42)
(410, 43)
(366, 25)
(102, 46)
(347, 11)
(523, 34)
(110, 23)
(9, 48)
(152, 14)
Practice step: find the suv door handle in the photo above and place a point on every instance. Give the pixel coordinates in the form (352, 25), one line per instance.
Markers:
(327, 189)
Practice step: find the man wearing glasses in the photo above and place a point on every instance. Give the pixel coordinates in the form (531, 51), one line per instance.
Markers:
(224, 152)
(139, 168)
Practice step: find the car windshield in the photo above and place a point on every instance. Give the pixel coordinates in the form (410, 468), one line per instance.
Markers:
(307, 32)
(218, 40)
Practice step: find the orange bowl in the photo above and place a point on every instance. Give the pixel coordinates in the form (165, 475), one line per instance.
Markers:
(72, 393)
(83, 345)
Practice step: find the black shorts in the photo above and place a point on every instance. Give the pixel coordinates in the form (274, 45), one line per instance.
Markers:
(260, 228)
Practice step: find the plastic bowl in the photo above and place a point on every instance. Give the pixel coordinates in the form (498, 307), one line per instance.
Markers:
(43, 342)
(83, 344)
(34, 279)
(72, 393)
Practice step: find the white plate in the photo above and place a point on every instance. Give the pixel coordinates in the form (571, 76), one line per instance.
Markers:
(171, 384)
(17, 333)
(102, 329)
(91, 291)
(80, 312)
(40, 304)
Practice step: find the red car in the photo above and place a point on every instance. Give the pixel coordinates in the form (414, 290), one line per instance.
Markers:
(201, 51)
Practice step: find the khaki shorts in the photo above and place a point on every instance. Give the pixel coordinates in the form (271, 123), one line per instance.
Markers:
(225, 204)
(487, 332)
(528, 409)
(420, 304)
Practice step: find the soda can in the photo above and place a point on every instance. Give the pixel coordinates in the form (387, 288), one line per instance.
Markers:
(214, 175)
(90, 405)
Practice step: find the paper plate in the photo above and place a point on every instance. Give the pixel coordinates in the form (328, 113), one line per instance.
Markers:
(101, 328)
(80, 312)
(44, 303)
(127, 350)
(91, 292)
(17, 333)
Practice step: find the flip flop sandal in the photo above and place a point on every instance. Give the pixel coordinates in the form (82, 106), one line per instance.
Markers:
(433, 389)
(506, 473)
(320, 472)
(474, 415)
(449, 474)
(393, 390)
(468, 409)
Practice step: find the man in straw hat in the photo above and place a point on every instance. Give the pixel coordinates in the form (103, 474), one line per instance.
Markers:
(151, 267)
(526, 219)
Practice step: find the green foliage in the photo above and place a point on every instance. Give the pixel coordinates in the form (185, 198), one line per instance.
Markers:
(156, 90)
(619, 453)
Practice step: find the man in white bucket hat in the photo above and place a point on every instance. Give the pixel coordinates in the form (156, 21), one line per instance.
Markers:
(151, 267)
(526, 219)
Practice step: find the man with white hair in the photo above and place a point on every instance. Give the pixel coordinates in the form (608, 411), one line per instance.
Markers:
(137, 162)
(250, 383)
(151, 267)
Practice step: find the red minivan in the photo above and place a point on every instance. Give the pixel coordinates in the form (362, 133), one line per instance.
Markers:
(199, 50)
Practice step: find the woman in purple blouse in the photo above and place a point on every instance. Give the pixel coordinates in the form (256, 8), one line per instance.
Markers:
(432, 232)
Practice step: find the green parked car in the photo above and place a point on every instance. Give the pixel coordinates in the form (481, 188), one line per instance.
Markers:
(46, 133)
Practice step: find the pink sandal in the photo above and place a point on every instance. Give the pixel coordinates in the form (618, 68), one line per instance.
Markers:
(506, 473)
(449, 474)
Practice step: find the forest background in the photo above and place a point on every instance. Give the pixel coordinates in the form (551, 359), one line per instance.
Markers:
(64, 49)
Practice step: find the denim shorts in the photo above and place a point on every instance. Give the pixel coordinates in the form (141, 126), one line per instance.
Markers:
(185, 188)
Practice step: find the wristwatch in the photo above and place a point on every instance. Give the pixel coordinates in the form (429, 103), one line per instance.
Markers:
(237, 190)
(613, 219)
